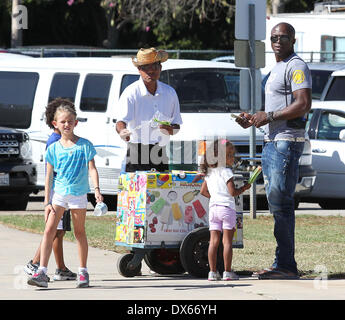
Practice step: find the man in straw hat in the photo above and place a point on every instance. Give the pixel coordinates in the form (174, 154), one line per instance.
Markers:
(141, 102)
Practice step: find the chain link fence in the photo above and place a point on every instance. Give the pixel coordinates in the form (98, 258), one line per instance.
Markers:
(309, 56)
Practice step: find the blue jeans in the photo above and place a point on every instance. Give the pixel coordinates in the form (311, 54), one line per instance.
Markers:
(280, 169)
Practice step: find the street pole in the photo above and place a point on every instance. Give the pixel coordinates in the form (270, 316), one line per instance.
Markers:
(252, 141)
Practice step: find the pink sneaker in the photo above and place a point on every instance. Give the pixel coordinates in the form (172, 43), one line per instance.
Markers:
(83, 280)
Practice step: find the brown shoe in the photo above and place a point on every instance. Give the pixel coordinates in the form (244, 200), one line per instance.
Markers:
(257, 273)
(278, 274)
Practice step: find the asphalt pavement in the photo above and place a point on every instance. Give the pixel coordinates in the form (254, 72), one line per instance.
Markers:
(17, 248)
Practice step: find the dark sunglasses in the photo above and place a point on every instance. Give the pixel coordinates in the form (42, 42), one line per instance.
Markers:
(152, 66)
(282, 38)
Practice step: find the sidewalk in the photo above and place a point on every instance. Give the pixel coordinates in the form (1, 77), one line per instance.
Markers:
(18, 247)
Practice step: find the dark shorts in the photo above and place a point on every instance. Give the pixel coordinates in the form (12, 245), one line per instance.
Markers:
(141, 157)
(66, 221)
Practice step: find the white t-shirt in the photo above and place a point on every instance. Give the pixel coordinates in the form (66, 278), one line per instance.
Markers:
(137, 106)
(216, 180)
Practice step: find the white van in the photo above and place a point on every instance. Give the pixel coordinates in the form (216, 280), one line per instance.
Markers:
(208, 92)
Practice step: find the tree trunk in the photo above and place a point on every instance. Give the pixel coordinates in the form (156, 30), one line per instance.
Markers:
(19, 21)
(278, 6)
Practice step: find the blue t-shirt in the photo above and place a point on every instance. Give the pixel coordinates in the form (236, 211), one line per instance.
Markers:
(53, 138)
(71, 166)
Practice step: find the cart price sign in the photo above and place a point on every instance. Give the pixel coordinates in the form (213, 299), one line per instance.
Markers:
(4, 179)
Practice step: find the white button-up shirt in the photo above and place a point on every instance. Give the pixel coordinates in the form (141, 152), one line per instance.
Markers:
(137, 107)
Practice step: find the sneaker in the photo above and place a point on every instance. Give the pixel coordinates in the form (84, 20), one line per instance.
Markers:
(213, 276)
(230, 276)
(39, 279)
(31, 268)
(83, 280)
(62, 275)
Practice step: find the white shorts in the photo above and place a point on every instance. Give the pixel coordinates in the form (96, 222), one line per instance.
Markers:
(70, 201)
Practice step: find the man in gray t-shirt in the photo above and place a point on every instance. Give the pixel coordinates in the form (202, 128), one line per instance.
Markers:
(288, 76)
(287, 101)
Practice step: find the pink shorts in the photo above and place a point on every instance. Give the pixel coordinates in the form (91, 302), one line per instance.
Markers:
(221, 217)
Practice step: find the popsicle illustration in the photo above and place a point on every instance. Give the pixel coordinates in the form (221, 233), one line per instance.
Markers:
(190, 195)
(177, 214)
(200, 211)
(157, 206)
(188, 216)
(164, 217)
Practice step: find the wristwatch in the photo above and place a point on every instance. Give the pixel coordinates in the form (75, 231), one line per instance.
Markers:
(269, 116)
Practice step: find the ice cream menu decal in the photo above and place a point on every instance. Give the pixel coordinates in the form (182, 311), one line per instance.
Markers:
(159, 207)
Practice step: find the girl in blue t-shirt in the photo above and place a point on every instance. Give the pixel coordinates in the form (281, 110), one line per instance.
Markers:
(72, 158)
(62, 272)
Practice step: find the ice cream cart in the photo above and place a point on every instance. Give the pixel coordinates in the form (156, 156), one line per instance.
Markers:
(163, 219)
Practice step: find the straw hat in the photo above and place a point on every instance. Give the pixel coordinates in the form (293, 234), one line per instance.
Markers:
(148, 56)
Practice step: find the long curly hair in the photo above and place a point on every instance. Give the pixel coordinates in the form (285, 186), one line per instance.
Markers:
(215, 154)
(51, 109)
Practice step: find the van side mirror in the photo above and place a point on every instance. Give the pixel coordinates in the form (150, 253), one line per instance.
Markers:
(342, 135)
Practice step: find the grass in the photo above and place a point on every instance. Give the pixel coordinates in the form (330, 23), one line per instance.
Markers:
(100, 230)
(319, 241)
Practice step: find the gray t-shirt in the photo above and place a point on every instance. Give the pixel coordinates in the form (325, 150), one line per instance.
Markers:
(297, 75)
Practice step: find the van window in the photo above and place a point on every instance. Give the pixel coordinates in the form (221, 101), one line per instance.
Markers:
(201, 90)
(16, 98)
(64, 85)
(205, 89)
(127, 80)
(319, 80)
(330, 125)
(336, 89)
(94, 97)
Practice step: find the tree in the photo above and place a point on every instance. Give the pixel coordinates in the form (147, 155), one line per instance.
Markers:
(281, 6)
(153, 15)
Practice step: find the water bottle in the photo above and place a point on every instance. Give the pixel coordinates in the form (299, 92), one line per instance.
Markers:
(100, 209)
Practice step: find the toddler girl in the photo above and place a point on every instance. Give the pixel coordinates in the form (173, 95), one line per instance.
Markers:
(220, 188)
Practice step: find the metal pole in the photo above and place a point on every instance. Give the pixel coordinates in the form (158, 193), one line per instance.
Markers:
(252, 140)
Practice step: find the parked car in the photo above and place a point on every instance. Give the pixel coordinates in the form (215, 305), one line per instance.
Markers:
(326, 129)
(320, 73)
(230, 59)
(334, 89)
(18, 174)
(7, 55)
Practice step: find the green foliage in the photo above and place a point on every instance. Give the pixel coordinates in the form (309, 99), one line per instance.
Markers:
(172, 24)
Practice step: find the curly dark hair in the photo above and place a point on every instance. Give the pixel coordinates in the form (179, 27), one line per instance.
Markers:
(215, 155)
(51, 109)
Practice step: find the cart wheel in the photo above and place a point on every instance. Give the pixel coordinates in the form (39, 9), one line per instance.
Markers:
(194, 253)
(122, 266)
(164, 261)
